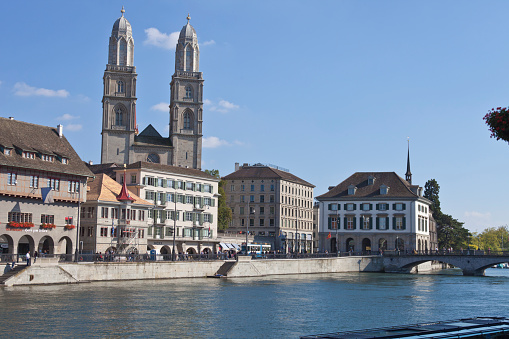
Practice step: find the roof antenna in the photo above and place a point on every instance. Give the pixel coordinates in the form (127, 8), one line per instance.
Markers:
(408, 174)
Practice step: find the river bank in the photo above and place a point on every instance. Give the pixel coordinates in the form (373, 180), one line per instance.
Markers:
(70, 273)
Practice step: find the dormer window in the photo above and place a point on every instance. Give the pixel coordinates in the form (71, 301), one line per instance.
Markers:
(7, 151)
(384, 190)
(65, 161)
(46, 157)
(351, 190)
(28, 155)
(371, 180)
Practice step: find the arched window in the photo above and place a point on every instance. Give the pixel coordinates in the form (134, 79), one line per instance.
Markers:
(120, 86)
(187, 120)
(189, 92)
(154, 158)
(119, 117)
(122, 53)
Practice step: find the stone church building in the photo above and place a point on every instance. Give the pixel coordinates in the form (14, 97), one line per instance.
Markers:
(121, 142)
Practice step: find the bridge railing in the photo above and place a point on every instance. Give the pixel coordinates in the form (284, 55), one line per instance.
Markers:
(447, 252)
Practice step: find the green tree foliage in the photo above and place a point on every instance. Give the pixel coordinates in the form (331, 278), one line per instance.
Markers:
(495, 239)
(224, 212)
(450, 231)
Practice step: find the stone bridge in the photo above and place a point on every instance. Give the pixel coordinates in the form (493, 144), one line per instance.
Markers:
(473, 265)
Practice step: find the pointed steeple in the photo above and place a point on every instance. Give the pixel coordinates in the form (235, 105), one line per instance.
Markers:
(408, 174)
(124, 193)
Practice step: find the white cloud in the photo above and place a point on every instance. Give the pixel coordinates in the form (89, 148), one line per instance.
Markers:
(159, 39)
(474, 214)
(66, 117)
(22, 89)
(223, 106)
(162, 106)
(207, 43)
(73, 127)
(213, 142)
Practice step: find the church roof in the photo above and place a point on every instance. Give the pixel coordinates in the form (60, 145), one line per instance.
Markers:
(398, 187)
(122, 26)
(19, 136)
(103, 188)
(188, 33)
(262, 172)
(151, 137)
(150, 131)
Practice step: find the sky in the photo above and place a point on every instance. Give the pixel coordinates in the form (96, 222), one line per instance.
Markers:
(322, 88)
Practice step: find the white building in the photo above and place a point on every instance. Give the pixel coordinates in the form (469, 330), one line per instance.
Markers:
(374, 210)
(184, 198)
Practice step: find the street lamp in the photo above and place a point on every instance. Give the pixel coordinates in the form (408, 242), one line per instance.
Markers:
(247, 224)
(337, 227)
(173, 257)
(295, 249)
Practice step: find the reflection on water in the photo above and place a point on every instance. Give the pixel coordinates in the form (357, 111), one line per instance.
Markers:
(270, 307)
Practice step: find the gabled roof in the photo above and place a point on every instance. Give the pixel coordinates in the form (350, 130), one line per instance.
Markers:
(264, 172)
(171, 169)
(151, 137)
(23, 136)
(103, 188)
(108, 168)
(398, 187)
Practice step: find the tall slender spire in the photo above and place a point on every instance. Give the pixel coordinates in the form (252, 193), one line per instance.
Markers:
(408, 174)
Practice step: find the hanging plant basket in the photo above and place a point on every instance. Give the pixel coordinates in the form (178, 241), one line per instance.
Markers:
(69, 227)
(48, 226)
(15, 224)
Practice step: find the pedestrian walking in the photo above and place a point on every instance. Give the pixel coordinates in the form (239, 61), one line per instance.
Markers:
(36, 254)
(28, 258)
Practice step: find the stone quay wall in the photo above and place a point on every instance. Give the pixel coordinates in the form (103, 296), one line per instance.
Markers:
(68, 273)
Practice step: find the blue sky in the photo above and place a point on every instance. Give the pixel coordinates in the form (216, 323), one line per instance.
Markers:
(323, 88)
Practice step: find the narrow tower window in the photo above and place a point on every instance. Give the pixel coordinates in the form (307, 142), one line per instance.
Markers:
(120, 86)
(187, 120)
(189, 92)
(118, 117)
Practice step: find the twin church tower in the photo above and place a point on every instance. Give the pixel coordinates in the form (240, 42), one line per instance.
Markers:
(121, 142)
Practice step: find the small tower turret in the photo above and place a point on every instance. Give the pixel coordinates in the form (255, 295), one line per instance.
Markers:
(408, 174)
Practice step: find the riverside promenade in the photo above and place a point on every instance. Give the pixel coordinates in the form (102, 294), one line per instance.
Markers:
(55, 271)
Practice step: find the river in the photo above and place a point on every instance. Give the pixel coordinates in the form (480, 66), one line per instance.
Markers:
(269, 307)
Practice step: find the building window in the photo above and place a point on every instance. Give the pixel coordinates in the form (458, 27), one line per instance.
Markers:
(232, 188)
(47, 219)
(11, 179)
(252, 188)
(34, 181)
(366, 207)
(399, 207)
(399, 221)
(73, 186)
(104, 212)
(189, 92)
(333, 207)
(271, 209)
(153, 158)
(187, 121)
(351, 190)
(133, 178)
(189, 216)
(350, 207)
(54, 183)
(382, 223)
(19, 217)
(262, 188)
(272, 188)
(28, 155)
(242, 188)
(120, 86)
(189, 199)
(251, 222)
(262, 210)
(251, 198)
(104, 231)
(262, 198)
(371, 180)
(366, 223)
(262, 222)
(384, 190)
(350, 223)
(271, 198)
(118, 117)
(7, 151)
(65, 161)
(271, 222)
(382, 207)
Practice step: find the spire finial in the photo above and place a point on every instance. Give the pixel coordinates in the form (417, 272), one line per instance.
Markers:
(122, 10)
(408, 174)
(188, 17)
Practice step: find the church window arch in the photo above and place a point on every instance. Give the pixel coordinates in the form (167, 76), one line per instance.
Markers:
(119, 115)
(187, 120)
(189, 92)
(122, 53)
(120, 86)
(154, 158)
(189, 59)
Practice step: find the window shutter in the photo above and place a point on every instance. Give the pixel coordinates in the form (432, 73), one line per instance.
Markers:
(370, 223)
(193, 216)
(394, 206)
(387, 223)
(330, 223)
(370, 207)
(202, 188)
(354, 222)
(211, 189)
(339, 206)
(404, 207)
(144, 180)
(377, 207)
(213, 202)
(165, 183)
(201, 219)
(354, 207)
(344, 206)
(345, 223)
(329, 207)
(404, 223)
(377, 223)
(393, 223)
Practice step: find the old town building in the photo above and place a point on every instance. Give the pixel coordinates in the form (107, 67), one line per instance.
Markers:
(42, 182)
(273, 205)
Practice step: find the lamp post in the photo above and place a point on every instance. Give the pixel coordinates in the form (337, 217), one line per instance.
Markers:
(337, 227)
(295, 249)
(397, 244)
(247, 224)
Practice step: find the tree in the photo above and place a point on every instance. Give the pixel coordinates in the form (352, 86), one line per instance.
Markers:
(431, 190)
(224, 213)
(495, 239)
(450, 231)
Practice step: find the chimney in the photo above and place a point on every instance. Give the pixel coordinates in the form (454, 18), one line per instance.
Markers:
(236, 166)
(60, 130)
(90, 162)
(11, 118)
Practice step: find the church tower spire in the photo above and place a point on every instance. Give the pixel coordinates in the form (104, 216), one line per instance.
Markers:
(408, 174)
(119, 96)
(186, 101)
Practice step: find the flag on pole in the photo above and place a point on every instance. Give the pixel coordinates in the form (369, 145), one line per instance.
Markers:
(328, 236)
(47, 195)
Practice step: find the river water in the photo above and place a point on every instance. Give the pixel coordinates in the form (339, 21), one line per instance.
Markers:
(269, 307)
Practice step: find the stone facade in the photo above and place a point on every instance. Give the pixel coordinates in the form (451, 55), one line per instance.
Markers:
(121, 142)
(276, 203)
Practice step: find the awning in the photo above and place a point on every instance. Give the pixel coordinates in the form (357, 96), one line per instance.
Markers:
(237, 247)
(223, 245)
